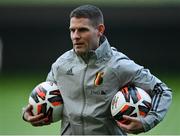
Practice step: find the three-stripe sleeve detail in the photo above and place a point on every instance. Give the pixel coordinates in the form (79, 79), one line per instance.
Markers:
(157, 98)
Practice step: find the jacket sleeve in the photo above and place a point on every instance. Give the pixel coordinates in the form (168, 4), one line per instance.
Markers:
(161, 100)
(160, 93)
(130, 72)
(51, 74)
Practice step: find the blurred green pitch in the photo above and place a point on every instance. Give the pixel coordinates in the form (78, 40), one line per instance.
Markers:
(14, 93)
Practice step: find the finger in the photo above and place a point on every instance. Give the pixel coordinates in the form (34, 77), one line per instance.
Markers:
(35, 118)
(134, 127)
(132, 119)
(124, 127)
(121, 125)
(44, 121)
(29, 107)
(27, 112)
(47, 121)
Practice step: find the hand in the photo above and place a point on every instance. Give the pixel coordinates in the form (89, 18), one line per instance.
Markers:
(35, 120)
(134, 126)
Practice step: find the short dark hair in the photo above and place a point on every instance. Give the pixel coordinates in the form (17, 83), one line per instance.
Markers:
(88, 11)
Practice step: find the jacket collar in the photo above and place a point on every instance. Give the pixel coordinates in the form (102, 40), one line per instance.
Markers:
(104, 50)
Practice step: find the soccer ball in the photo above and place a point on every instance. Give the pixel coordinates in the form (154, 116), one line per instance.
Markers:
(46, 98)
(131, 101)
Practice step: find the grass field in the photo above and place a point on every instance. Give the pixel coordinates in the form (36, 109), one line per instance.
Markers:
(14, 93)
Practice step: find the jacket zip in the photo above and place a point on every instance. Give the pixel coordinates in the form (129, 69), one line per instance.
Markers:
(84, 99)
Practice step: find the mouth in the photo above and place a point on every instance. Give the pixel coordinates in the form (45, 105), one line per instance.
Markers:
(78, 43)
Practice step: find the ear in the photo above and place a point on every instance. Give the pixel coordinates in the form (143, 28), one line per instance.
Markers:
(101, 29)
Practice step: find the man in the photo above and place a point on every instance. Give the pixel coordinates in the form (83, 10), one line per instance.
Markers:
(90, 75)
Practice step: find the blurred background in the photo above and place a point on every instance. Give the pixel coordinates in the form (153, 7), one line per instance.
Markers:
(34, 33)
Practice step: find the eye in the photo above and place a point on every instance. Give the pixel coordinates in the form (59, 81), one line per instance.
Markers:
(83, 29)
(72, 30)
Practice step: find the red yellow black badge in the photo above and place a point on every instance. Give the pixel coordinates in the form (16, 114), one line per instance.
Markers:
(99, 78)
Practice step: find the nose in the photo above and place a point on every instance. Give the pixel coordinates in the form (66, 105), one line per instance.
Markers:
(75, 35)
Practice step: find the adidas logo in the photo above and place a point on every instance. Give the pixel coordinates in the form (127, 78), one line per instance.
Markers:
(70, 72)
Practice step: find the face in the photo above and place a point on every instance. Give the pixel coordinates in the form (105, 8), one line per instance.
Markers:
(84, 35)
